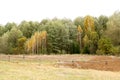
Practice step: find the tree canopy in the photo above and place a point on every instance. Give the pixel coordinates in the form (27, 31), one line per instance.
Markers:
(86, 35)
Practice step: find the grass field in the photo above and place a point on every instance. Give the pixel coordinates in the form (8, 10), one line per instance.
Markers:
(46, 70)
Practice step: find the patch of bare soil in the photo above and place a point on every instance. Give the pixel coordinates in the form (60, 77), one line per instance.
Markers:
(107, 63)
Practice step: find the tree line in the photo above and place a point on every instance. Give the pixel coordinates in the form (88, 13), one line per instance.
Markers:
(86, 35)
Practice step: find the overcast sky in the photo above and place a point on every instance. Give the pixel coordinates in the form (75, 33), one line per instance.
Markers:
(36, 10)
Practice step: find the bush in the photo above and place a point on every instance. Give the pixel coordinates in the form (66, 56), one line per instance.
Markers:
(116, 50)
(100, 52)
(104, 46)
(86, 50)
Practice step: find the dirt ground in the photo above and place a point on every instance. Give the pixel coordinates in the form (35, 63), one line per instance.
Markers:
(107, 63)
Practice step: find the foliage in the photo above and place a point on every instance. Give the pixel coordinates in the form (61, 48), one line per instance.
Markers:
(9, 26)
(20, 49)
(1, 30)
(113, 29)
(104, 46)
(60, 36)
(103, 22)
(28, 28)
(13, 35)
(37, 43)
(88, 23)
(79, 21)
(57, 38)
(4, 45)
(91, 36)
(116, 50)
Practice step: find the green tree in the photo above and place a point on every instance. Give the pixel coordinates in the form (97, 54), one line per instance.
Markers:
(28, 28)
(57, 36)
(93, 42)
(72, 42)
(103, 22)
(44, 21)
(79, 21)
(104, 46)
(86, 42)
(13, 35)
(9, 26)
(113, 29)
(1, 30)
(20, 49)
(4, 46)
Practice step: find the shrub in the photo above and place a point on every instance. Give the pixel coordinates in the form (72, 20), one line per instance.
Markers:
(104, 46)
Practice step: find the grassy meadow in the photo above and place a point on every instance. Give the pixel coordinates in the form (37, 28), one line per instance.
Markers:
(46, 70)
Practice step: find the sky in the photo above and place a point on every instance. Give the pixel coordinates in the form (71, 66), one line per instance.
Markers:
(36, 10)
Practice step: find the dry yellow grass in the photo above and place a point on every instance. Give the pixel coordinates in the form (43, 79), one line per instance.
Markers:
(32, 70)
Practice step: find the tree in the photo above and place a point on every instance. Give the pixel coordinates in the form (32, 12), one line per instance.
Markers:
(9, 26)
(57, 37)
(20, 45)
(13, 35)
(44, 21)
(104, 46)
(1, 30)
(86, 42)
(79, 21)
(4, 45)
(93, 42)
(62, 36)
(113, 29)
(89, 23)
(37, 43)
(98, 27)
(80, 31)
(9, 40)
(100, 24)
(103, 22)
(72, 45)
(28, 28)
(91, 35)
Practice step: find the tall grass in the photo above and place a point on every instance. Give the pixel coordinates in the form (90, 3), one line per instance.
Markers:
(31, 70)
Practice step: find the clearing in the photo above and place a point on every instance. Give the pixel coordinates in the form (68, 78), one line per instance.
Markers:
(59, 67)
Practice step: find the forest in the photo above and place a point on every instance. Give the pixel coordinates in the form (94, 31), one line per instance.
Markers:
(83, 35)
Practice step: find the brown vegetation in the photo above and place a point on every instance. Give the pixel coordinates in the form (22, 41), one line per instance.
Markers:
(109, 63)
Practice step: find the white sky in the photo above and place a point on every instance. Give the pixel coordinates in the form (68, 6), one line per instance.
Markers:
(36, 10)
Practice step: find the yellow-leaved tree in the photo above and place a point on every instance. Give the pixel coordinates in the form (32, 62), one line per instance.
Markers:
(80, 31)
(89, 23)
(91, 35)
(37, 43)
